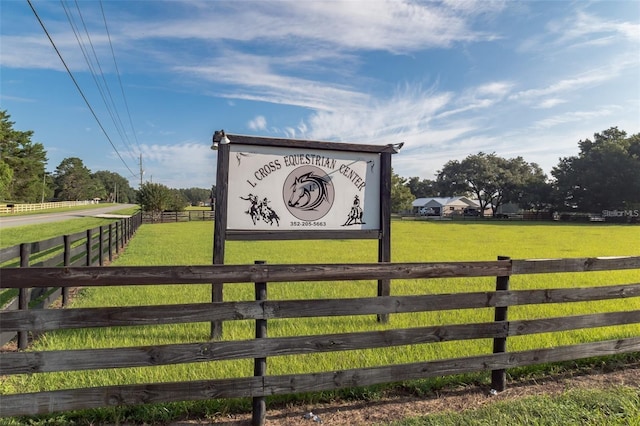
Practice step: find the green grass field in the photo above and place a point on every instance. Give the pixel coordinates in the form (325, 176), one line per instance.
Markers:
(31, 233)
(191, 244)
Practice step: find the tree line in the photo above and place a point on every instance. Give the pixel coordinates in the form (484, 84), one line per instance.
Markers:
(605, 175)
(24, 179)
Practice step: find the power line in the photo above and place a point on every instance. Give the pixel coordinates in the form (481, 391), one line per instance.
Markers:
(111, 107)
(126, 104)
(78, 87)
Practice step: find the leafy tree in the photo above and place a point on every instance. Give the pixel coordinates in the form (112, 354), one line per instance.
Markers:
(154, 197)
(6, 177)
(423, 188)
(475, 175)
(491, 179)
(177, 201)
(73, 181)
(116, 187)
(195, 196)
(604, 175)
(401, 197)
(22, 164)
(517, 180)
(537, 195)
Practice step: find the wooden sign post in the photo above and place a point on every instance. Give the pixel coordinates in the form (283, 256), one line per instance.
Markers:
(287, 189)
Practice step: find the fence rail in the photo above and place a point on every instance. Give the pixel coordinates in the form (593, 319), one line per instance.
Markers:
(185, 216)
(263, 310)
(86, 248)
(21, 208)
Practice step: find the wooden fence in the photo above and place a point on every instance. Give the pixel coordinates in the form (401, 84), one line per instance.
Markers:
(86, 248)
(185, 216)
(262, 310)
(21, 208)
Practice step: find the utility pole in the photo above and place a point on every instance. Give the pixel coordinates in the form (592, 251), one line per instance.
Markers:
(141, 171)
(44, 177)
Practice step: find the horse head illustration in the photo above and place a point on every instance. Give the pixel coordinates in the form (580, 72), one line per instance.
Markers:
(308, 191)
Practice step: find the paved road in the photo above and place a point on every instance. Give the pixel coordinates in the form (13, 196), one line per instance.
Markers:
(12, 221)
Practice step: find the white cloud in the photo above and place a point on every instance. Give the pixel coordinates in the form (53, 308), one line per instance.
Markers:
(258, 123)
(483, 96)
(6, 97)
(589, 78)
(399, 26)
(576, 116)
(410, 110)
(584, 27)
(182, 165)
(550, 103)
(254, 78)
(583, 30)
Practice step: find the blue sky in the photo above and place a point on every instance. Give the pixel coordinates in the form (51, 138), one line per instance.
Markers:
(449, 78)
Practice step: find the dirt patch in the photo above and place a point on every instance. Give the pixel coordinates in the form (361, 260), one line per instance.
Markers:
(397, 406)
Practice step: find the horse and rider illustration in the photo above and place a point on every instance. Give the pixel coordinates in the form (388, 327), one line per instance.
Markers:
(308, 196)
(260, 209)
(308, 191)
(355, 214)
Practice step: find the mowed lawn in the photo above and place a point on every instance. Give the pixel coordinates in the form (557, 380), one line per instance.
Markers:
(412, 241)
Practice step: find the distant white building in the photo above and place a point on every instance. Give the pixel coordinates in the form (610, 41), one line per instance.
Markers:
(444, 206)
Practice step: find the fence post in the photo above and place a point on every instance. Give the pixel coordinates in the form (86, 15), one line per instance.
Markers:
(110, 242)
(67, 262)
(259, 412)
(384, 243)
(120, 234)
(117, 237)
(101, 246)
(499, 377)
(89, 254)
(24, 293)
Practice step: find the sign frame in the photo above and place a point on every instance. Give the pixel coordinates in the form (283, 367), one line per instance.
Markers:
(222, 142)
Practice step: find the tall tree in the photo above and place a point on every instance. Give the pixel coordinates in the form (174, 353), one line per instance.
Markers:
(177, 201)
(537, 195)
(605, 175)
(422, 188)
(401, 197)
(476, 174)
(154, 197)
(195, 196)
(491, 179)
(6, 177)
(73, 181)
(517, 179)
(22, 164)
(116, 187)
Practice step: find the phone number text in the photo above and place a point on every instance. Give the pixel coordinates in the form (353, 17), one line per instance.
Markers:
(307, 224)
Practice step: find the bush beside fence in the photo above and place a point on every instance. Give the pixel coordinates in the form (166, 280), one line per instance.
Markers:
(262, 310)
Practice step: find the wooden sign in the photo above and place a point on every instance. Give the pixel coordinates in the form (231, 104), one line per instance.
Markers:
(286, 189)
(282, 188)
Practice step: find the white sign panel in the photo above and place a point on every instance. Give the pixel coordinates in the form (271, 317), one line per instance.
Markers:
(282, 189)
